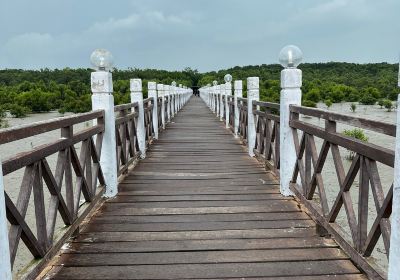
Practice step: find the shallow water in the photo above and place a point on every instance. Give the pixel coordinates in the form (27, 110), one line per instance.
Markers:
(13, 180)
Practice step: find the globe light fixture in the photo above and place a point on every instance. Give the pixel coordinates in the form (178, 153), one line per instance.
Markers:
(228, 78)
(101, 60)
(290, 56)
(208, 85)
(215, 83)
(173, 84)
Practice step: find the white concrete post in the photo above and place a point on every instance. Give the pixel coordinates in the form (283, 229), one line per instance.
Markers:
(253, 93)
(160, 90)
(217, 107)
(5, 264)
(137, 96)
(177, 99)
(221, 102)
(182, 96)
(103, 99)
(168, 97)
(291, 80)
(228, 92)
(394, 253)
(172, 105)
(152, 92)
(238, 85)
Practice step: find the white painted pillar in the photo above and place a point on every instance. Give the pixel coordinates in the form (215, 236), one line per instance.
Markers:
(172, 105)
(137, 96)
(291, 80)
(394, 253)
(238, 85)
(160, 90)
(228, 92)
(168, 98)
(253, 93)
(5, 264)
(221, 102)
(152, 92)
(103, 99)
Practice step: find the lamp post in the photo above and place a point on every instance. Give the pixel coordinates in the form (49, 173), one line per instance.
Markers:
(215, 98)
(291, 80)
(228, 92)
(103, 99)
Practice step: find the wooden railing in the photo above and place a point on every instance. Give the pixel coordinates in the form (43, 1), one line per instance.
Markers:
(126, 135)
(356, 214)
(242, 107)
(64, 191)
(231, 106)
(148, 105)
(361, 240)
(159, 116)
(267, 129)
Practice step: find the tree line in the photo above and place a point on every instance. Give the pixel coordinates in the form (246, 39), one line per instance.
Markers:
(68, 90)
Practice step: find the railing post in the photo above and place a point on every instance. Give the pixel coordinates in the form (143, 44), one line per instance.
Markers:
(137, 96)
(291, 81)
(228, 92)
(221, 102)
(394, 253)
(253, 93)
(152, 92)
(216, 92)
(168, 98)
(103, 99)
(172, 105)
(238, 85)
(5, 264)
(160, 91)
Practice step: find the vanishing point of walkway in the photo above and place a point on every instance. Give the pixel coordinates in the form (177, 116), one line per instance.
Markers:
(199, 207)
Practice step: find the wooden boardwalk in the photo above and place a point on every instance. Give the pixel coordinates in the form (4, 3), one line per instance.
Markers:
(198, 207)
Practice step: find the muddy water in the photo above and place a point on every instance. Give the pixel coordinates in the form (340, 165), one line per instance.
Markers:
(386, 173)
(13, 180)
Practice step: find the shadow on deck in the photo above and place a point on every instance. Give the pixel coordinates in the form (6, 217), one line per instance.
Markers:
(199, 207)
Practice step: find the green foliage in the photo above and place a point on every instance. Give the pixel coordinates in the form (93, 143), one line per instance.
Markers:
(353, 107)
(3, 122)
(328, 103)
(388, 105)
(18, 111)
(381, 102)
(69, 89)
(308, 103)
(358, 134)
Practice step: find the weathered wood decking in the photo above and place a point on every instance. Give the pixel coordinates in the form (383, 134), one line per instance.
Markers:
(199, 207)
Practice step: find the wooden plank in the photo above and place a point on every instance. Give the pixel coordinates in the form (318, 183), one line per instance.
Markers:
(179, 271)
(127, 227)
(200, 245)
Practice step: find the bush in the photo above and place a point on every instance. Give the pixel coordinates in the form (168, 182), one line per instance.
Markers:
(388, 105)
(309, 103)
(368, 99)
(353, 107)
(328, 103)
(18, 111)
(356, 133)
(381, 102)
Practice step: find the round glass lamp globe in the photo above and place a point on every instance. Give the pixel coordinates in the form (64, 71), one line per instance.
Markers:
(173, 84)
(290, 56)
(102, 60)
(215, 83)
(228, 78)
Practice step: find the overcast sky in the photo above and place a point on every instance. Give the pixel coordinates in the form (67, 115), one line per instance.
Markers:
(201, 34)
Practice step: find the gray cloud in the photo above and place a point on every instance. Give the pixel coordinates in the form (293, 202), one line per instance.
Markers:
(202, 34)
